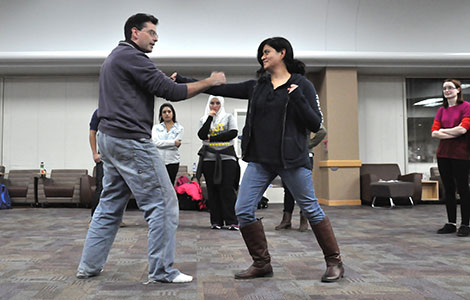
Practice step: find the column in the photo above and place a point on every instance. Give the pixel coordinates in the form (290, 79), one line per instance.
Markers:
(336, 161)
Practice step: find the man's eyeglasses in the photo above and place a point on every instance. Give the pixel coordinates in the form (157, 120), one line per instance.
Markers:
(448, 88)
(214, 103)
(151, 33)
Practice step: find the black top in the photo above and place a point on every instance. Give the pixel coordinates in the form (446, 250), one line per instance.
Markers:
(223, 137)
(94, 121)
(277, 123)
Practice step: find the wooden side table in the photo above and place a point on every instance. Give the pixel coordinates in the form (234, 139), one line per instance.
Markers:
(430, 190)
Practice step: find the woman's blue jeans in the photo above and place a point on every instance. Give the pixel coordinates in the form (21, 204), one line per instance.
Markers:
(256, 180)
(133, 166)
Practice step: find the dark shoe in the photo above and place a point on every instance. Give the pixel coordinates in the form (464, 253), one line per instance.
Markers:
(286, 221)
(448, 228)
(234, 227)
(85, 275)
(327, 241)
(255, 270)
(464, 230)
(255, 240)
(216, 227)
(303, 223)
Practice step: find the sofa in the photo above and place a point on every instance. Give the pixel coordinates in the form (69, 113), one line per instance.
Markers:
(20, 185)
(63, 186)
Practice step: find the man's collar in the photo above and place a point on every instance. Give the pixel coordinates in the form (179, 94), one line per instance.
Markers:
(132, 44)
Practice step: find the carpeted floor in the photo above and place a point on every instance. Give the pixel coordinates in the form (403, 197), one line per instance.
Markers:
(388, 254)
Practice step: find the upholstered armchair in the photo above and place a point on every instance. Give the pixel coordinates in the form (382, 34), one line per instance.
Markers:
(62, 187)
(20, 185)
(372, 173)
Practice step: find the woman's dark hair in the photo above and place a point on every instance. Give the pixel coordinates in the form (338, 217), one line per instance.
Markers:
(458, 85)
(279, 43)
(161, 111)
(138, 21)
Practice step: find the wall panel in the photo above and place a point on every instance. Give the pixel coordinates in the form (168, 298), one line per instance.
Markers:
(381, 120)
(46, 119)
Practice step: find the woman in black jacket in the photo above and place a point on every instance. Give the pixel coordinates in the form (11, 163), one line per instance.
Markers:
(282, 109)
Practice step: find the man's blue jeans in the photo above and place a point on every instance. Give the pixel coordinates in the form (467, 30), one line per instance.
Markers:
(256, 180)
(133, 166)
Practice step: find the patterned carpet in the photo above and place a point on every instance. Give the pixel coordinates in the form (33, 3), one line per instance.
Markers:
(388, 254)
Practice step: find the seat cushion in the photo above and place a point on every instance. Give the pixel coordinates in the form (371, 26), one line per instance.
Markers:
(58, 190)
(392, 189)
(17, 191)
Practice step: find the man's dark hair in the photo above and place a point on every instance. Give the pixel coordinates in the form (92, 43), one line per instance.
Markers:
(138, 21)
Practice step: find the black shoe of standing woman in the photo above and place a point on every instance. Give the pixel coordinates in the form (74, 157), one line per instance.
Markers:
(464, 230)
(448, 228)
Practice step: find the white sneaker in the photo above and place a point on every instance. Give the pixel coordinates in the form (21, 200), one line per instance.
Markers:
(182, 278)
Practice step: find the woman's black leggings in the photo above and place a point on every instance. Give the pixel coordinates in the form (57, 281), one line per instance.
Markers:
(454, 172)
(172, 171)
(222, 197)
(289, 201)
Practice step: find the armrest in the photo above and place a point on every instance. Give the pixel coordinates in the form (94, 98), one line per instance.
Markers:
(416, 179)
(4, 181)
(46, 181)
(86, 195)
(412, 177)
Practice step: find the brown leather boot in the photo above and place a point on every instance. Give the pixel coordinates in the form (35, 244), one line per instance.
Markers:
(255, 241)
(303, 223)
(327, 241)
(286, 221)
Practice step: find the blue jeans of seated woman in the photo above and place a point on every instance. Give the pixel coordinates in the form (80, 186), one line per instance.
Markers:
(256, 180)
(133, 166)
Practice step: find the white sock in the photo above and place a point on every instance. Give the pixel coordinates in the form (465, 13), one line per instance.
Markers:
(182, 278)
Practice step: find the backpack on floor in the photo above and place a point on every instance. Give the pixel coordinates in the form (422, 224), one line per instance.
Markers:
(5, 201)
(263, 203)
(186, 202)
(189, 194)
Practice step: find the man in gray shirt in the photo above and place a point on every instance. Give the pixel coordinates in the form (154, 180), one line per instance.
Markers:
(128, 82)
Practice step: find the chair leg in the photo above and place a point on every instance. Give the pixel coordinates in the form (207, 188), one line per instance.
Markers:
(373, 202)
(392, 205)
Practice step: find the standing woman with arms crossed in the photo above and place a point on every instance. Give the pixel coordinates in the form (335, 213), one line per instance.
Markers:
(282, 108)
(453, 154)
(219, 163)
(167, 137)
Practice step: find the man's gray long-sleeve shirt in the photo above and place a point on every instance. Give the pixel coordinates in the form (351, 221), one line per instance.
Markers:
(128, 82)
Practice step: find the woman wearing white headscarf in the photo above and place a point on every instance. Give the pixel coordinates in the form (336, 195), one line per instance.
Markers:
(219, 163)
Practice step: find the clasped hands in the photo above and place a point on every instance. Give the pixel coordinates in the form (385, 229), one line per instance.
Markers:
(217, 78)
